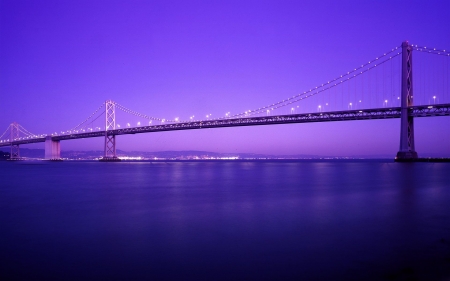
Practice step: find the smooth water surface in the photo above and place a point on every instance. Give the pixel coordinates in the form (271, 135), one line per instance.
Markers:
(372, 220)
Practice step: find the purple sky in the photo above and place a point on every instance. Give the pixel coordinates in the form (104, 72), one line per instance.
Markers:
(59, 60)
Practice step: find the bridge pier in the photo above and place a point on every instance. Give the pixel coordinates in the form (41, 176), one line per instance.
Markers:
(52, 149)
(407, 146)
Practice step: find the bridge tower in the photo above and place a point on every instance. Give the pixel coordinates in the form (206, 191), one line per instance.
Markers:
(14, 134)
(407, 147)
(110, 139)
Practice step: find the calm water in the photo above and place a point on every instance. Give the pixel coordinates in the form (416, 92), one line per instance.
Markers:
(225, 221)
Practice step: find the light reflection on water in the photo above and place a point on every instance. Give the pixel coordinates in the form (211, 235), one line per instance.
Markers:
(224, 220)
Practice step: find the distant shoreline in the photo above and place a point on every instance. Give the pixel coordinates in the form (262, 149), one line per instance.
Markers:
(423, 160)
(225, 158)
(343, 160)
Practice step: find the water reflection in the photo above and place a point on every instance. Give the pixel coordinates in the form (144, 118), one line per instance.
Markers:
(231, 220)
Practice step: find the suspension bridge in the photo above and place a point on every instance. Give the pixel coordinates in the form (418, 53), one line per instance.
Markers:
(379, 89)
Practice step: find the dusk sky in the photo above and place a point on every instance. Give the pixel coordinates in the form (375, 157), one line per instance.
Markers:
(60, 60)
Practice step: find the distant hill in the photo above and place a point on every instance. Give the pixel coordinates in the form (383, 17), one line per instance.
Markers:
(39, 153)
(4, 155)
(189, 154)
(27, 152)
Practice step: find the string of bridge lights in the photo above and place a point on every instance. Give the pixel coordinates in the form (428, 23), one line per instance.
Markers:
(6, 131)
(25, 131)
(26, 134)
(328, 85)
(313, 91)
(86, 126)
(87, 119)
(20, 129)
(296, 98)
(127, 110)
(120, 107)
(307, 94)
(431, 50)
(434, 51)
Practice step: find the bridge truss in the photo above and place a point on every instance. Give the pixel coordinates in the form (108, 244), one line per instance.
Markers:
(347, 115)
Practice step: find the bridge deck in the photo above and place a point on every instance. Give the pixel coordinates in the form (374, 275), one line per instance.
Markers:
(347, 115)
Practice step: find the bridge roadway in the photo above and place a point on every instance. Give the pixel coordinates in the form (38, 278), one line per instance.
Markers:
(346, 115)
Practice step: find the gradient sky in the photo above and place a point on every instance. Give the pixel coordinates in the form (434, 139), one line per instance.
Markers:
(59, 60)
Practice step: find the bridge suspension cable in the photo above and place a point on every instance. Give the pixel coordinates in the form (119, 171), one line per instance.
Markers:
(87, 119)
(127, 110)
(25, 131)
(91, 119)
(356, 72)
(86, 125)
(8, 130)
(325, 86)
(432, 75)
(432, 50)
(19, 128)
(307, 94)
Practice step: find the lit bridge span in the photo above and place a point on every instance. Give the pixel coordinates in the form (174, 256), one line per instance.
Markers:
(406, 111)
(346, 115)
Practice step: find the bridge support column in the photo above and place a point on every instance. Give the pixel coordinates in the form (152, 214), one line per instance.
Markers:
(52, 149)
(14, 134)
(110, 140)
(15, 153)
(407, 147)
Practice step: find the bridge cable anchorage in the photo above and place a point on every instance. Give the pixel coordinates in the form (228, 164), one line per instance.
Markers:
(325, 86)
(433, 51)
(88, 117)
